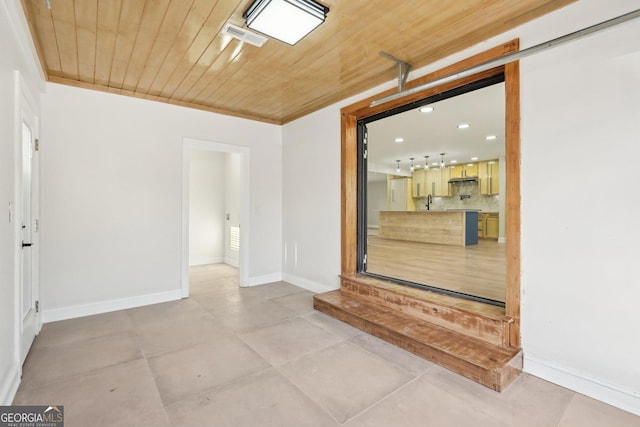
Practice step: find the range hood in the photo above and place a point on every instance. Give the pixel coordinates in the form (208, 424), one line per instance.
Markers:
(463, 180)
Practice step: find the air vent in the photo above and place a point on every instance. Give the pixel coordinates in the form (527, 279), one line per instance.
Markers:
(243, 35)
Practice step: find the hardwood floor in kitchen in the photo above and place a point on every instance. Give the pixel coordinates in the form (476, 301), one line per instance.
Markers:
(476, 270)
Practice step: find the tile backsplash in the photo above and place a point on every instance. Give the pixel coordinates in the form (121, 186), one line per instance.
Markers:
(475, 201)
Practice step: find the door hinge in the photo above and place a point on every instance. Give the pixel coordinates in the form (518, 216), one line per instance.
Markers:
(37, 145)
(365, 154)
(37, 306)
(364, 260)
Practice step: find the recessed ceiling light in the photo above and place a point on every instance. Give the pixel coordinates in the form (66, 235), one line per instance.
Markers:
(435, 164)
(464, 126)
(454, 161)
(426, 109)
(474, 158)
(399, 140)
(490, 137)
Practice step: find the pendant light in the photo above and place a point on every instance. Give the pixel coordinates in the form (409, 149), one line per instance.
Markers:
(426, 162)
(398, 167)
(442, 161)
(412, 167)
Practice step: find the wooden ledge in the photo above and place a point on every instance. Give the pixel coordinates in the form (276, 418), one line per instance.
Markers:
(472, 307)
(489, 365)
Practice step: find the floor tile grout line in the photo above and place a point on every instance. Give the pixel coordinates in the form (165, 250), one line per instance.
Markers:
(566, 408)
(391, 361)
(275, 365)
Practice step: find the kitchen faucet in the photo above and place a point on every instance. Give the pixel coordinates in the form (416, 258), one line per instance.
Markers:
(429, 201)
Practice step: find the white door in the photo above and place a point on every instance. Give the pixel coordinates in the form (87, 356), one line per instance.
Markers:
(28, 293)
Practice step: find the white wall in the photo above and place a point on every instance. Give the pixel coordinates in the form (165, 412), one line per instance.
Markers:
(112, 194)
(580, 110)
(207, 198)
(17, 54)
(579, 107)
(311, 200)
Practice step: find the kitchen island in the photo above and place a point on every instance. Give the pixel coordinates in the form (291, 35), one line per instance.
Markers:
(451, 227)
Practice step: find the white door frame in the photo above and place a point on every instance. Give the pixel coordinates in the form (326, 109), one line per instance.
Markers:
(25, 111)
(190, 145)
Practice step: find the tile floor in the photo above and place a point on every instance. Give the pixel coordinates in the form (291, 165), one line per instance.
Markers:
(261, 356)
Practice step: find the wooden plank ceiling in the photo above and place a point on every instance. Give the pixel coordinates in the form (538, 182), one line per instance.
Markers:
(173, 50)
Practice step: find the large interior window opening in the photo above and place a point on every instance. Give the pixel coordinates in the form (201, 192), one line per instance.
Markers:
(432, 191)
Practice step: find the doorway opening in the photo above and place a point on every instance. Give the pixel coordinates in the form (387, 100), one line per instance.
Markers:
(215, 218)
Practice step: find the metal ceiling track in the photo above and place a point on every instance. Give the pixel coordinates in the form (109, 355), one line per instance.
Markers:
(511, 57)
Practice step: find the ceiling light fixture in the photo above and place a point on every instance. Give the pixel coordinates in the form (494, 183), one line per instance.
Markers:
(464, 126)
(412, 168)
(399, 140)
(453, 161)
(442, 162)
(398, 167)
(426, 109)
(474, 158)
(490, 137)
(286, 20)
(426, 162)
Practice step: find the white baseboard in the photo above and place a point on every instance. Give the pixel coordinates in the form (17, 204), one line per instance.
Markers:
(263, 280)
(71, 312)
(627, 400)
(9, 385)
(205, 261)
(309, 285)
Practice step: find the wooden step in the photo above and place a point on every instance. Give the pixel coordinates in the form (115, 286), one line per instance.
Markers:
(489, 365)
(481, 321)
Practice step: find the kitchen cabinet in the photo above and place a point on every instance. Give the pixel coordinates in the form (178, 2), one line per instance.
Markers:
(470, 169)
(437, 182)
(493, 226)
(488, 174)
(419, 186)
(489, 225)
(463, 171)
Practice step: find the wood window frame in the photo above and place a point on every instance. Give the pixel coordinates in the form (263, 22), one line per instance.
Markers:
(350, 115)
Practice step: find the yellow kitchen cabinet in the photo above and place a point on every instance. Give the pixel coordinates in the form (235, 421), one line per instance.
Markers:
(419, 186)
(488, 174)
(492, 228)
(445, 187)
(470, 169)
(455, 171)
(489, 225)
(463, 171)
(437, 182)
